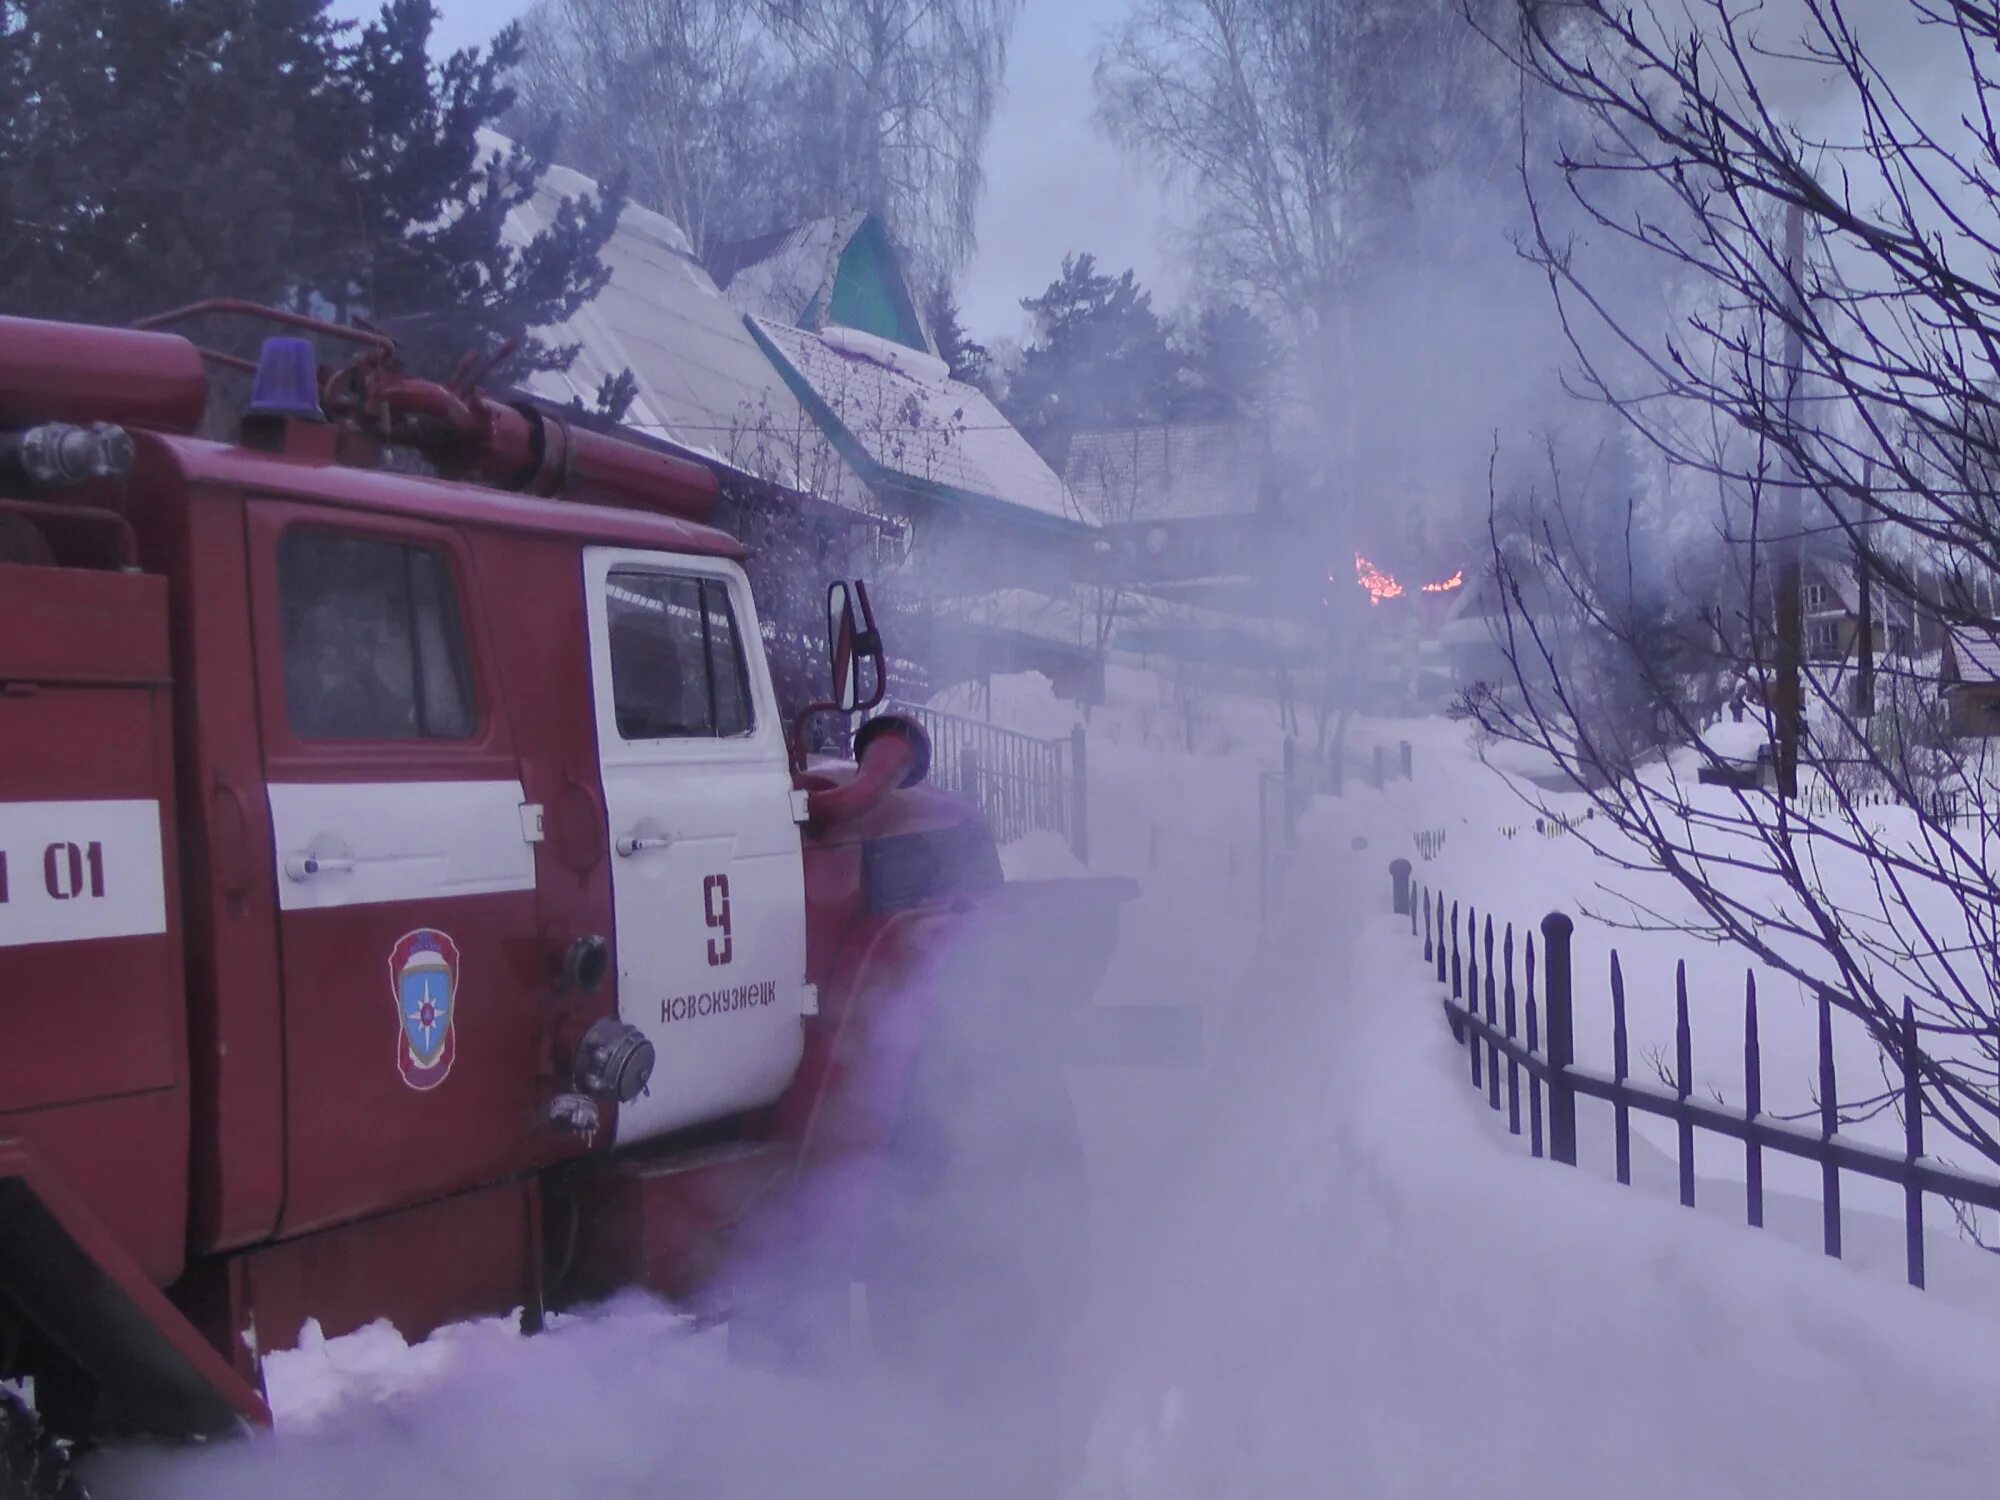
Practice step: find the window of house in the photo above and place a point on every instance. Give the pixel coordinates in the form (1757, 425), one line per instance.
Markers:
(677, 665)
(1815, 595)
(373, 645)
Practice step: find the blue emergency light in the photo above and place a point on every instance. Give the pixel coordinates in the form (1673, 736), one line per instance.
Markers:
(287, 383)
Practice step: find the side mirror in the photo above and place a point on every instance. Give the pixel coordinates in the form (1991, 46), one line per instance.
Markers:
(852, 643)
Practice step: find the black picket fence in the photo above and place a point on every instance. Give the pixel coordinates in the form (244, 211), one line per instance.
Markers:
(1943, 808)
(1531, 1032)
(1430, 841)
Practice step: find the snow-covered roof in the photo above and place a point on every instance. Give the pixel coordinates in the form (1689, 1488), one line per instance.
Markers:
(703, 381)
(1974, 657)
(1167, 471)
(786, 276)
(913, 421)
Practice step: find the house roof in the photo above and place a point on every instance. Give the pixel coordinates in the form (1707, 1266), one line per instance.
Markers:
(1168, 471)
(788, 276)
(704, 384)
(840, 269)
(899, 414)
(1972, 658)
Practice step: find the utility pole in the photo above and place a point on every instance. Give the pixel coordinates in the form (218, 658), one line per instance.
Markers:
(1790, 705)
(1864, 674)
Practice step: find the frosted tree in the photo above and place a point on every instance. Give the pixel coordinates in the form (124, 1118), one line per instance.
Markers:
(1830, 389)
(738, 118)
(682, 97)
(894, 100)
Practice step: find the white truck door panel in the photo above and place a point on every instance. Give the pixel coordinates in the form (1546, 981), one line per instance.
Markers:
(708, 882)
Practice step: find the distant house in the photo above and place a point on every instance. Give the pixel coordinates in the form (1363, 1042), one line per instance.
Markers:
(1198, 559)
(1191, 511)
(831, 306)
(801, 370)
(1830, 598)
(1971, 676)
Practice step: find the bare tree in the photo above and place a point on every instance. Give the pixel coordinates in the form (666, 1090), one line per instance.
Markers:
(678, 96)
(1827, 379)
(898, 96)
(737, 118)
(1350, 167)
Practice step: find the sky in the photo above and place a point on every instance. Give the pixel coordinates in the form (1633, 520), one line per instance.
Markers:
(1054, 184)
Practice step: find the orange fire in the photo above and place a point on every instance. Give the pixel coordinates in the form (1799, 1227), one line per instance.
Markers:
(1380, 585)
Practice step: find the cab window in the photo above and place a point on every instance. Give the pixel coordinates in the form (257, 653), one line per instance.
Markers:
(373, 645)
(677, 666)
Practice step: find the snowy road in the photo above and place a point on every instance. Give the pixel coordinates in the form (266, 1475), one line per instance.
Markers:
(1322, 1273)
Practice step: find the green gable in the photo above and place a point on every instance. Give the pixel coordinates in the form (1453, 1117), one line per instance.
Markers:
(870, 293)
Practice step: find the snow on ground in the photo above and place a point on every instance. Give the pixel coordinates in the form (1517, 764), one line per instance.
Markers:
(1368, 1292)
(1324, 1269)
(1491, 858)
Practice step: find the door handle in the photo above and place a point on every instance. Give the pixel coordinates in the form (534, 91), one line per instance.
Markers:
(630, 844)
(306, 866)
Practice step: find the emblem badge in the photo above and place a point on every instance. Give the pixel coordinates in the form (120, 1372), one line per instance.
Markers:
(423, 978)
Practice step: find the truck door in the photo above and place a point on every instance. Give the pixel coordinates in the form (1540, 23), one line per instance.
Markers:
(404, 872)
(708, 882)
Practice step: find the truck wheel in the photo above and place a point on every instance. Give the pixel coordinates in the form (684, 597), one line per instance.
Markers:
(32, 1467)
(977, 1269)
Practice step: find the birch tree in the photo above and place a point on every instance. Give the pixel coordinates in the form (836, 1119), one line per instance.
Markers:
(737, 118)
(897, 97)
(681, 96)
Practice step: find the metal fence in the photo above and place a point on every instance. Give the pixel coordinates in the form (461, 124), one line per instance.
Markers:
(1023, 784)
(1495, 1011)
(1940, 807)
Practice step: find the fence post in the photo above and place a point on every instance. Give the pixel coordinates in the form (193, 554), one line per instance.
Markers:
(1079, 815)
(1291, 793)
(1829, 1125)
(968, 773)
(1378, 767)
(1621, 1116)
(1913, 1148)
(1753, 1103)
(1556, 930)
(1684, 1079)
(1408, 763)
(1399, 873)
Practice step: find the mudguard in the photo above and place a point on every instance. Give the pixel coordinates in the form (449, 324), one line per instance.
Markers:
(71, 1278)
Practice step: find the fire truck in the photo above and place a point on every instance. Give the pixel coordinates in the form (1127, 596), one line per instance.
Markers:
(413, 901)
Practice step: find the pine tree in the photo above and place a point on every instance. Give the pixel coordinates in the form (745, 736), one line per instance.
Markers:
(159, 151)
(968, 359)
(1100, 358)
(428, 259)
(1227, 360)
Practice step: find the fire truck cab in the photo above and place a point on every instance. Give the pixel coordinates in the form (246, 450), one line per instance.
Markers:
(413, 901)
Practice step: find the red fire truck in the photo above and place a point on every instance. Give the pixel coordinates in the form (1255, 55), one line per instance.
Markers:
(413, 903)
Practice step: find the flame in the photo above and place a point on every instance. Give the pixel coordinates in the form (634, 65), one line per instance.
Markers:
(1379, 585)
(1382, 586)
